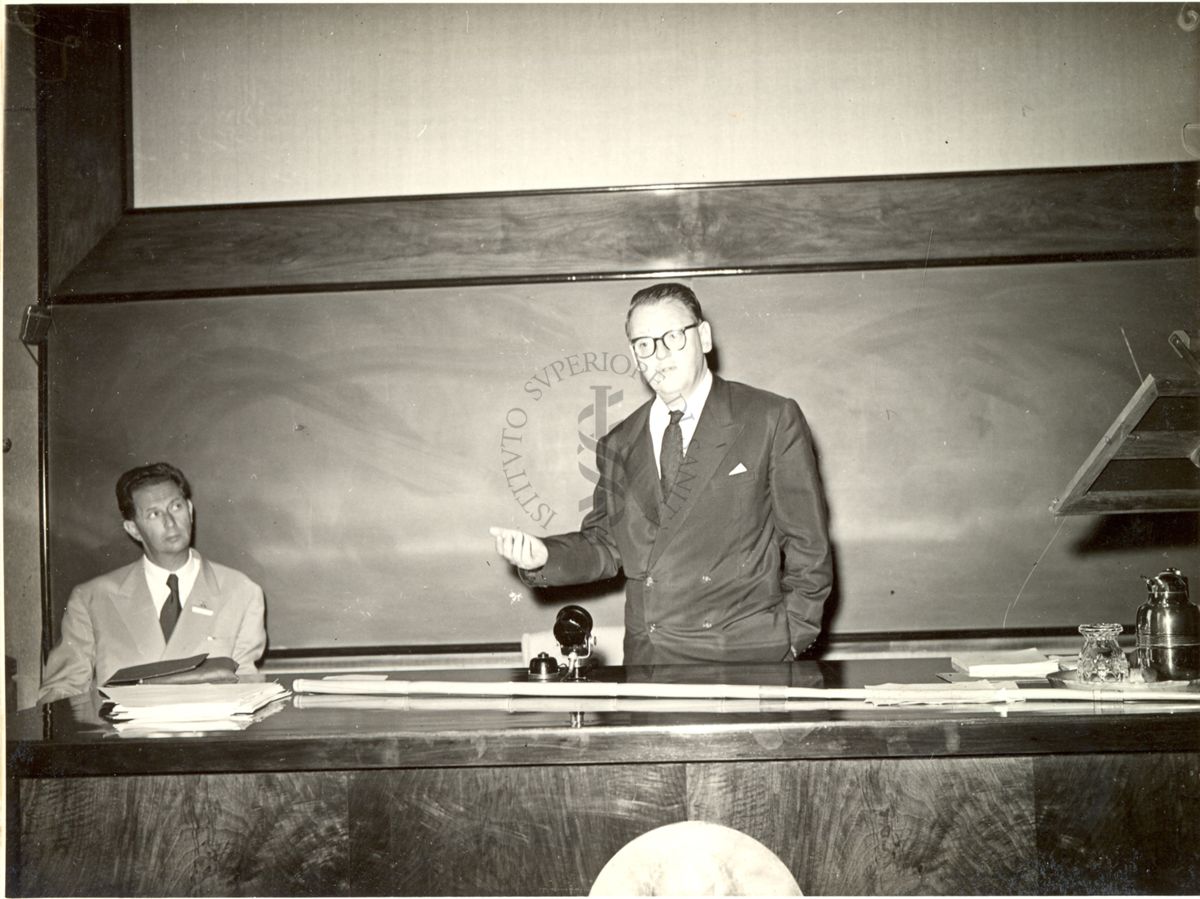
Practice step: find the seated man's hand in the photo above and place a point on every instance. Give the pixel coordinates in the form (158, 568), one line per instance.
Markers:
(521, 549)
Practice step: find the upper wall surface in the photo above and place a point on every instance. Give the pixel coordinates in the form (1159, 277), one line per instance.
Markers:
(268, 102)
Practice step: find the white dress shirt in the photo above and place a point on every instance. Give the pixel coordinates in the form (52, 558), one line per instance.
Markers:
(693, 405)
(156, 579)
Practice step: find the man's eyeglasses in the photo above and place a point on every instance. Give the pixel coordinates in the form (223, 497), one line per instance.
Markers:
(675, 339)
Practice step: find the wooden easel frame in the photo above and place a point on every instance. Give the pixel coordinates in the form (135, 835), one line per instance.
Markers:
(1122, 441)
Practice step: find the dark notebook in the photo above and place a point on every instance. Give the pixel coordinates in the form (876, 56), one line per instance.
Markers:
(198, 669)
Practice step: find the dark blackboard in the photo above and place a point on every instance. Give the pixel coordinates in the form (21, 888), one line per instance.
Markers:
(350, 451)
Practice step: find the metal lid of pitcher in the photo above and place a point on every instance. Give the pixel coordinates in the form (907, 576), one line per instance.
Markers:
(1168, 584)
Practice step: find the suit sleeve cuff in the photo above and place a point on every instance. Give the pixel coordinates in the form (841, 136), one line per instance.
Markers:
(533, 577)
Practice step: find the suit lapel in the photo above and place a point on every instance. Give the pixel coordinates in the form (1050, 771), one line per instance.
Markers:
(641, 471)
(135, 607)
(714, 433)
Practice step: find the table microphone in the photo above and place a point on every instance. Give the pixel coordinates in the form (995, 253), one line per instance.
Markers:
(573, 630)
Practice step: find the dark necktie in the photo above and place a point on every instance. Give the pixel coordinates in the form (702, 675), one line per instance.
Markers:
(671, 454)
(170, 610)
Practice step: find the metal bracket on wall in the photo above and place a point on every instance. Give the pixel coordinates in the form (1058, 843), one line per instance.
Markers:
(35, 324)
(1181, 343)
(1191, 143)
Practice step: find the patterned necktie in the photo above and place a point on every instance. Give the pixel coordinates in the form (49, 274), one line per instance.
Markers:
(170, 610)
(671, 454)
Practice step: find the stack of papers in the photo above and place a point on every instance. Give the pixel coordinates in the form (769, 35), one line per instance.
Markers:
(141, 727)
(943, 694)
(191, 706)
(1004, 663)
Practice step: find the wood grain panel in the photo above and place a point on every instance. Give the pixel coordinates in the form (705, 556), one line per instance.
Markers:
(1158, 445)
(1099, 824)
(1119, 824)
(212, 835)
(1123, 212)
(1125, 501)
(502, 831)
(81, 117)
(876, 826)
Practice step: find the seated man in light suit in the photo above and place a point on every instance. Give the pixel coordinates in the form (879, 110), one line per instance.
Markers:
(169, 604)
(709, 501)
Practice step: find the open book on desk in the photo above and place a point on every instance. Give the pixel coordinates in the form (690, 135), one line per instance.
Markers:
(189, 702)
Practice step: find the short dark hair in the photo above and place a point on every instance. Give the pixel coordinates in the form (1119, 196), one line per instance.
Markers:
(146, 476)
(658, 293)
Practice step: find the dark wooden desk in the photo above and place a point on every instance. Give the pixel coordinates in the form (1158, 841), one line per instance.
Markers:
(323, 799)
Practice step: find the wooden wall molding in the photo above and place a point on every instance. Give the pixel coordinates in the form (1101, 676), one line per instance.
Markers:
(863, 223)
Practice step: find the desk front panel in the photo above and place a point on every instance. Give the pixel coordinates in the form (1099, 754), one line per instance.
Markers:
(1023, 825)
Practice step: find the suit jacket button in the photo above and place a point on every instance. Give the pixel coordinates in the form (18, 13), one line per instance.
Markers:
(649, 581)
(652, 627)
(707, 623)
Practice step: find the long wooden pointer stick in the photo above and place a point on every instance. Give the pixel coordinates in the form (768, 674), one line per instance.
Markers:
(890, 694)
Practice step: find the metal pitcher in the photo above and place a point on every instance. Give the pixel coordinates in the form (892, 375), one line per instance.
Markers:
(1168, 629)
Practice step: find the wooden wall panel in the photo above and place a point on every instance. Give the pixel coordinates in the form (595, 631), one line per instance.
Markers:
(873, 826)
(1112, 824)
(178, 835)
(81, 110)
(1119, 212)
(527, 831)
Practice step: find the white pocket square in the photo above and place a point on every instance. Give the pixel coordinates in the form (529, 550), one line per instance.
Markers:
(737, 469)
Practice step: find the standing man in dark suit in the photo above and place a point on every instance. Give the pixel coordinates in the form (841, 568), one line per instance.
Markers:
(169, 604)
(708, 500)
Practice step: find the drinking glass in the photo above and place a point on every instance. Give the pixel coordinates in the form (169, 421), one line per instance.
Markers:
(1102, 661)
